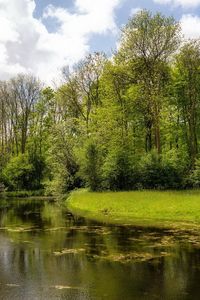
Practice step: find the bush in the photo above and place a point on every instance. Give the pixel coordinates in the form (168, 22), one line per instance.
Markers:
(160, 174)
(62, 183)
(120, 172)
(193, 180)
(19, 173)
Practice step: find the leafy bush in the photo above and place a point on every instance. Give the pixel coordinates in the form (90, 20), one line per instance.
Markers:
(19, 173)
(158, 173)
(62, 183)
(193, 180)
(120, 172)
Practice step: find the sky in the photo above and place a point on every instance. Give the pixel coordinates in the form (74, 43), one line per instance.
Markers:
(42, 36)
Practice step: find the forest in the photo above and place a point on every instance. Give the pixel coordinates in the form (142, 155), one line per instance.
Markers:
(126, 122)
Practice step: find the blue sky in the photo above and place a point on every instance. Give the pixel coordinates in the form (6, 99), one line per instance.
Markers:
(122, 14)
(42, 36)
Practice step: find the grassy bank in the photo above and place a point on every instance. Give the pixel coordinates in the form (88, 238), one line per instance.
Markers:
(152, 208)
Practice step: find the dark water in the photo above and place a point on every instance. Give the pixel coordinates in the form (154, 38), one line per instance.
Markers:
(46, 253)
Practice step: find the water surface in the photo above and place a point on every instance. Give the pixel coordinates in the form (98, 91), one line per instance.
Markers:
(47, 253)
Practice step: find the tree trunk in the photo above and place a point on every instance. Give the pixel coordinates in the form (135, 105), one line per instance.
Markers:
(148, 138)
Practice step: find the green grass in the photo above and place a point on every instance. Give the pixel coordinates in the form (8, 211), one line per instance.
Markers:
(152, 208)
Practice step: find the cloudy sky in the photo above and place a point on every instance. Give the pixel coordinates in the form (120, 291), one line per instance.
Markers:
(42, 36)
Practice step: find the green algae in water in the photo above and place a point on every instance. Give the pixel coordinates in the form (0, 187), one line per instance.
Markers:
(69, 251)
(52, 255)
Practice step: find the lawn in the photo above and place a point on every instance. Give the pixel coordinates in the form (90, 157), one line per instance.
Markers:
(154, 208)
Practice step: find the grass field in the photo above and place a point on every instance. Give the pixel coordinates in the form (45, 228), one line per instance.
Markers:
(152, 208)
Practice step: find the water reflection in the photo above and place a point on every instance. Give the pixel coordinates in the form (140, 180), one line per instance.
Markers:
(46, 253)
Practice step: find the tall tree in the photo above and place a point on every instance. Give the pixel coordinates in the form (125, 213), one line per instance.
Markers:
(187, 86)
(147, 43)
(24, 93)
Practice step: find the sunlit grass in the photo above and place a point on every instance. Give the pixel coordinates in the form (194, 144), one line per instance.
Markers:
(143, 207)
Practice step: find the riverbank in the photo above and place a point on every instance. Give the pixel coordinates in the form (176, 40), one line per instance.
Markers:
(22, 194)
(151, 208)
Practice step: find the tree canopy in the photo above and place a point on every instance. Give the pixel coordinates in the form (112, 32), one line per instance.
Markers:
(129, 122)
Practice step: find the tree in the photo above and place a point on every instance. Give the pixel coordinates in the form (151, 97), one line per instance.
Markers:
(187, 88)
(92, 173)
(87, 78)
(61, 160)
(147, 43)
(124, 123)
(25, 92)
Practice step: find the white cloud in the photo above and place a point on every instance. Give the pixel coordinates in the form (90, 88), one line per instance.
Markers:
(135, 10)
(190, 26)
(183, 3)
(27, 46)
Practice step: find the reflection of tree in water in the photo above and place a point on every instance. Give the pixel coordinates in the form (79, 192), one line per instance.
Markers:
(15, 212)
(30, 257)
(165, 276)
(29, 211)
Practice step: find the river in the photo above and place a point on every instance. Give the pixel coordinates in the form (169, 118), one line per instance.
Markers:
(47, 253)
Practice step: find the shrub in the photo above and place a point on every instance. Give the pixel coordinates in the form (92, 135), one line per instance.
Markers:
(160, 174)
(193, 180)
(62, 183)
(18, 173)
(120, 172)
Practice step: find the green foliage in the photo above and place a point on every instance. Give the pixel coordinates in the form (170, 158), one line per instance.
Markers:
(193, 180)
(92, 167)
(61, 162)
(38, 163)
(19, 173)
(187, 88)
(160, 174)
(119, 171)
(62, 182)
(127, 123)
(150, 36)
(24, 194)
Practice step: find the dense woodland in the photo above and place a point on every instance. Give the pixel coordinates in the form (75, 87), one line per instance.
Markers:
(122, 123)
